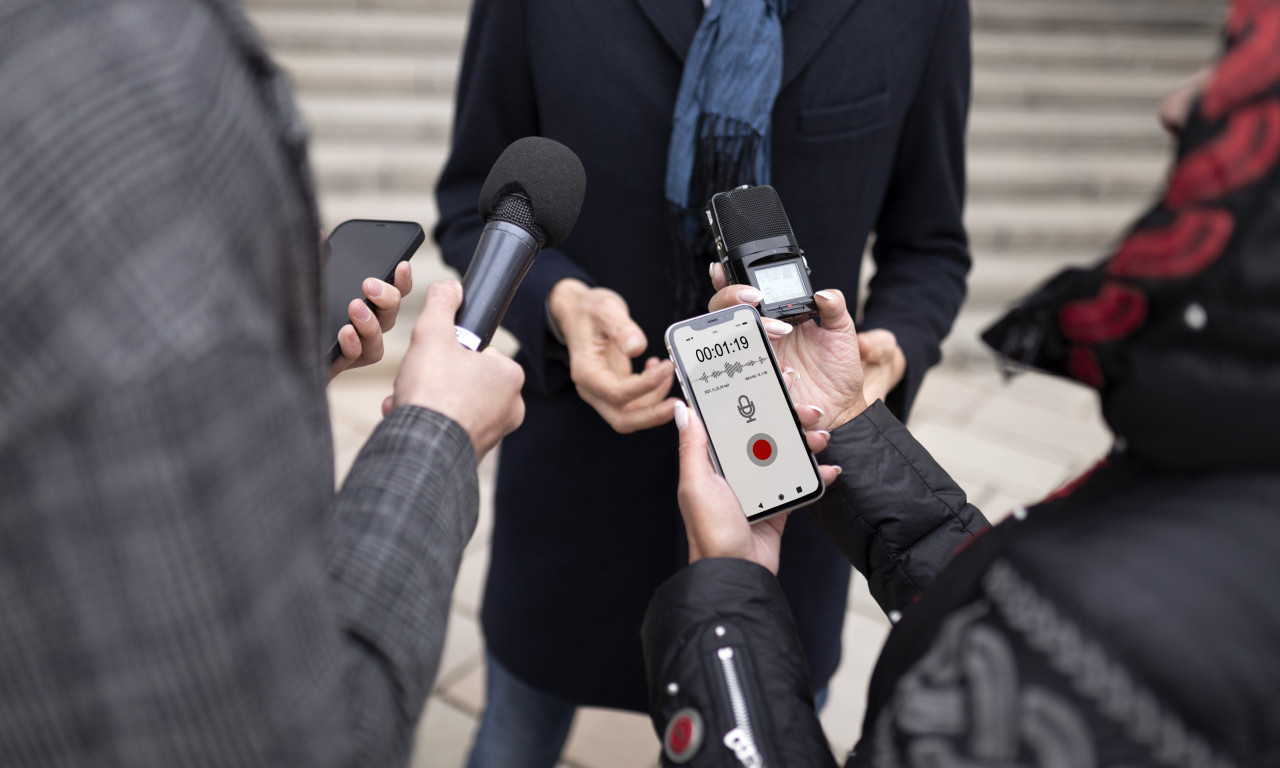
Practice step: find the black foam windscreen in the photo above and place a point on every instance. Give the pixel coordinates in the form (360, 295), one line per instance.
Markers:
(753, 213)
(545, 172)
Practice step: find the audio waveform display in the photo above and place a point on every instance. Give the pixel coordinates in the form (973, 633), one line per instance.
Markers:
(732, 369)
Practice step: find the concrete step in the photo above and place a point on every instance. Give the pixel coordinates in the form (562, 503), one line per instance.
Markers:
(381, 118)
(1177, 54)
(997, 278)
(388, 167)
(994, 177)
(378, 119)
(338, 207)
(1001, 176)
(422, 30)
(415, 73)
(1097, 91)
(1047, 229)
(1100, 16)
(406, 75)
(1011, 127)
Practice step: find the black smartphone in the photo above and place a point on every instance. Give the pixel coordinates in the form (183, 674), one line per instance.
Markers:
(358, 249)
(730, 376)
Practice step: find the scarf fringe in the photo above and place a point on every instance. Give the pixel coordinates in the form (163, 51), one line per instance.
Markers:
(728, 155)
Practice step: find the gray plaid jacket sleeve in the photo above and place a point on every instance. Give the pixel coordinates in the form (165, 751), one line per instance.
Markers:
(179, 584)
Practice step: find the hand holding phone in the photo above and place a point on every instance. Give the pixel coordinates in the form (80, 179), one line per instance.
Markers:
(357, 250)
(732, 380)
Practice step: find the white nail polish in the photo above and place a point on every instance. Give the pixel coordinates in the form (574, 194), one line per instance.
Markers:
(681, 416)
(826, 295)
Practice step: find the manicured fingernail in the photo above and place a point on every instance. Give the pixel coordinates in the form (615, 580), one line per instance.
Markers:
(792, 372)
(817, 408)
(825, 433)
(682, 416)
(777, 326)
(749, 295)
(362, 312)
(711, 270)
(825, 296)
(839, 469)
(372, 288)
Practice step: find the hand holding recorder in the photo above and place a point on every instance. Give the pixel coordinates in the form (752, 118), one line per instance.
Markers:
(825, 359)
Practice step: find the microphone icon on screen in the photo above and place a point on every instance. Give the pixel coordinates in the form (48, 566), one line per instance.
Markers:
(746, 408)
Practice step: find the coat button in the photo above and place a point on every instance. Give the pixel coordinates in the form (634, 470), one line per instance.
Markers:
(684, 735)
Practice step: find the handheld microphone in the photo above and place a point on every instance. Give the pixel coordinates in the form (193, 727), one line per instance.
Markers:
(530, 200)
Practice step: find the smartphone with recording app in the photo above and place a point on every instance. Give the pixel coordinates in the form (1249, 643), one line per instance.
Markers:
(358, 249)
(730, 376)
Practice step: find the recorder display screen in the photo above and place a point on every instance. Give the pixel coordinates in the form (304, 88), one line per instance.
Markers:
(737, 392)
(780, 283)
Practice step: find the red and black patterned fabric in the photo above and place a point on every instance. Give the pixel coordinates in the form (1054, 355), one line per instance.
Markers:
(1179, 328)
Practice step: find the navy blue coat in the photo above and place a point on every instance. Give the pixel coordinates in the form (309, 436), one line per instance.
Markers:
(868, 137)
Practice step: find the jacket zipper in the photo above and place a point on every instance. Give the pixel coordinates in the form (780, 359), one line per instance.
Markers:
(741, 740)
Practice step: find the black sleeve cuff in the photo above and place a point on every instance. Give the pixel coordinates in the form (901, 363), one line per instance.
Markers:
(893, 511)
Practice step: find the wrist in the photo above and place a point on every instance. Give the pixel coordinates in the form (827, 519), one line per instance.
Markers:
(850, 413)
(564, 298)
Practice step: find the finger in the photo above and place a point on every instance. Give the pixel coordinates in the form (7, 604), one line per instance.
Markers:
(833, 311)
(776, 329)
(370, 331)
(876, 345)
(790, 376)
(652, 416)
(386, 301)
(442, 302)
(817, 440)
(809, 415)
(611, 315)
(733, 295)
(388, 404)
(348, 350)
(404, 278)
(718, 279)
(829, 473)
(619, 391)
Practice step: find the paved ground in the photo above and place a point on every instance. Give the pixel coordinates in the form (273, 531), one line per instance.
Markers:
(1006, 443)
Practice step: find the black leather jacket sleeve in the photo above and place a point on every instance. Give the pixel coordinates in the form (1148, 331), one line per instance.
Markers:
(895, 514)
(720, 643)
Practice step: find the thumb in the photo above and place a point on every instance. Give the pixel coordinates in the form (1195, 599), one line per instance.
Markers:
(833, 311)
(695, 462)
(443, 300)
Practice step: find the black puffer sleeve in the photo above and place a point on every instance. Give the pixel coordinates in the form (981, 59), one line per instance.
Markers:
(893, 511)
(726, 672)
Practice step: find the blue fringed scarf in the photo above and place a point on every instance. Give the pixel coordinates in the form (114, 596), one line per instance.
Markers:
(721, 129)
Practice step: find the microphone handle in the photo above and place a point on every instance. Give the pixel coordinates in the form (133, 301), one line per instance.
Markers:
(502, 258)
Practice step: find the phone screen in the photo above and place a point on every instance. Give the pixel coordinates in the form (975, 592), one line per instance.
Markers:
(732, 380)
(359, 249)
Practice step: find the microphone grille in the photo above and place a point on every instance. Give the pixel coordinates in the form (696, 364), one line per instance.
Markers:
(753, 213)
(519, 211)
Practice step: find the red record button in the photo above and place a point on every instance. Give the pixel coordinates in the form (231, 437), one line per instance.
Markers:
(684, 735)
(761, 449)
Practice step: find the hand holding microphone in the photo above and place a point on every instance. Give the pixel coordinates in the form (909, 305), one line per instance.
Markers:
(530, 199)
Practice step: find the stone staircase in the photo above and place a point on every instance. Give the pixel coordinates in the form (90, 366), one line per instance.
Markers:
(1064, 146)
